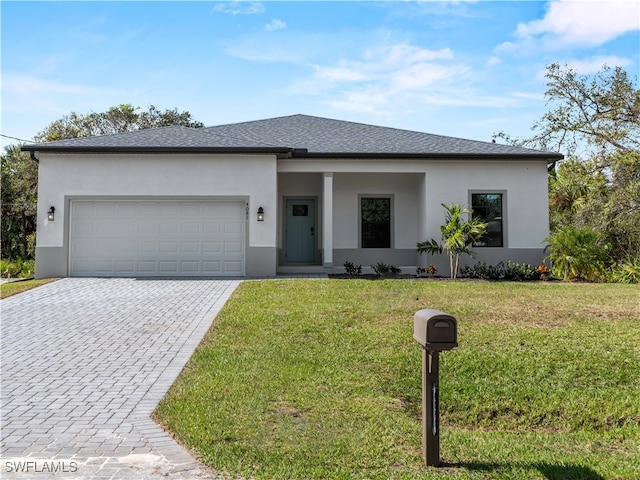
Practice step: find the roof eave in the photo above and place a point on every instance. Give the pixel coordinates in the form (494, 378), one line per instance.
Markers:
(547, 156)
(295, 152)
(134, 149)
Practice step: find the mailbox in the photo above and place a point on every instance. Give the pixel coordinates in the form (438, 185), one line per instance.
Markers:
(435, 330)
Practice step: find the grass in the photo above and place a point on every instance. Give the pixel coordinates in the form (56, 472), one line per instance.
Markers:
(321, 379)
(12, 288)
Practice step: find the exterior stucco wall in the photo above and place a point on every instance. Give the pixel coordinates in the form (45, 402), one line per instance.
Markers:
(419, 187)
(525, 203)
(65, 177)
(349, 187)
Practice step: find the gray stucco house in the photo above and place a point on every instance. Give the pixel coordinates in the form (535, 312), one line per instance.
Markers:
(288, 194)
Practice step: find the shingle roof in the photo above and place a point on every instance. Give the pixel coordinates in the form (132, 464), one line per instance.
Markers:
(173, 136)
(307, 135)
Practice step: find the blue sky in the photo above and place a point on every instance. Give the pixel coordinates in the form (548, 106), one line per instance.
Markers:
(464, 68)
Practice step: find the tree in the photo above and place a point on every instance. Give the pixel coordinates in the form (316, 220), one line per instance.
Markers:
(601, 111)
(119, 119)
(604, 110)
(20, 173)
(19, 181)
(573, 188)
(596, 120)
(457, 236)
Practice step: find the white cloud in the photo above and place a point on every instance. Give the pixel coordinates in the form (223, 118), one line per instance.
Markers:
(275, 24)
(339, 74)
(405, 54)
(28, 85)
(238, 7)
(595, 64)
(570, 23)
(33, 102)
(370, 101)
(425, 75)
(403, 66)
(390, 79)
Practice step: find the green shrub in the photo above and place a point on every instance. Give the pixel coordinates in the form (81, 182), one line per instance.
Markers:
(510, 271)
(483, 271)
(521, 272)
(626, 272)
(382, 268)
(577, 253)
(17, 268)
(352, 269)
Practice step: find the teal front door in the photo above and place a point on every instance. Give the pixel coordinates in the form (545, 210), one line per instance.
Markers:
(300, 234)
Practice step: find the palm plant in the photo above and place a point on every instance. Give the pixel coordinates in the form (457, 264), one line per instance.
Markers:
(577, 253)
(457, 236)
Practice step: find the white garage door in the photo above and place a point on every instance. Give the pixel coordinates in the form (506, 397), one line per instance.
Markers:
(157, 238)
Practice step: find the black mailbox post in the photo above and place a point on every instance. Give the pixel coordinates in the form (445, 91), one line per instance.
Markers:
(436, 331)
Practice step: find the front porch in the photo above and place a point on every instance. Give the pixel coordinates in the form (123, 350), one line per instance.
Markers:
(323, 220)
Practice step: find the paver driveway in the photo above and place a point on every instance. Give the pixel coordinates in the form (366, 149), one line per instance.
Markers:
(84, 364)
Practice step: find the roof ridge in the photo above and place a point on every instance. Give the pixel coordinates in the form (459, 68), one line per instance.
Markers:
(367, 125)
(256, 121)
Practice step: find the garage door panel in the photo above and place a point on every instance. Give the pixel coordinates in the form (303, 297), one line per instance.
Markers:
(168, 247)
(190, 266)
(211, 267)
(124, 209)
(126, 247)
(81, 247)
(125, 267)
(234, 211)
(84, 210)
(147, 247)
(233, 267)
(168, 267)
(233, 227)
(147, 266)
(82, 266)
(191, 228)
(105, 267)
(169, 210)
(212, 247)
(211, 227)
(190, 247)
(148, 227)
(105, 209)
(147, 209)
(82, 227)
(168, 228)
(147, 238)
(233, 247)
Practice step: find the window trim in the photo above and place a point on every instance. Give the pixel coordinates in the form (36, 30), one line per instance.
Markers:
(504, 213)
(390, 197)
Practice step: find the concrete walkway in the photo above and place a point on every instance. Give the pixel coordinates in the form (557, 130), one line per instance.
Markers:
(84, 364)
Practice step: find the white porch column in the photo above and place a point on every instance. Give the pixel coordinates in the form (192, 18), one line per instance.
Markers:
(327, 219)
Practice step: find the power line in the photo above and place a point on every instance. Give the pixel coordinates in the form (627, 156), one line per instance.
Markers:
(15, 138)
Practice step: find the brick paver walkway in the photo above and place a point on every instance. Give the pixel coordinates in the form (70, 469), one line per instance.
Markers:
(84, 364)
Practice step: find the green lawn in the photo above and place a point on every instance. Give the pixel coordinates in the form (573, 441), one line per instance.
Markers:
(12, 288)
(321, 379)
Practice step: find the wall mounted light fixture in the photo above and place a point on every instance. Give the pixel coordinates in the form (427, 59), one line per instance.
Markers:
(261, 214)
(51, 214)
